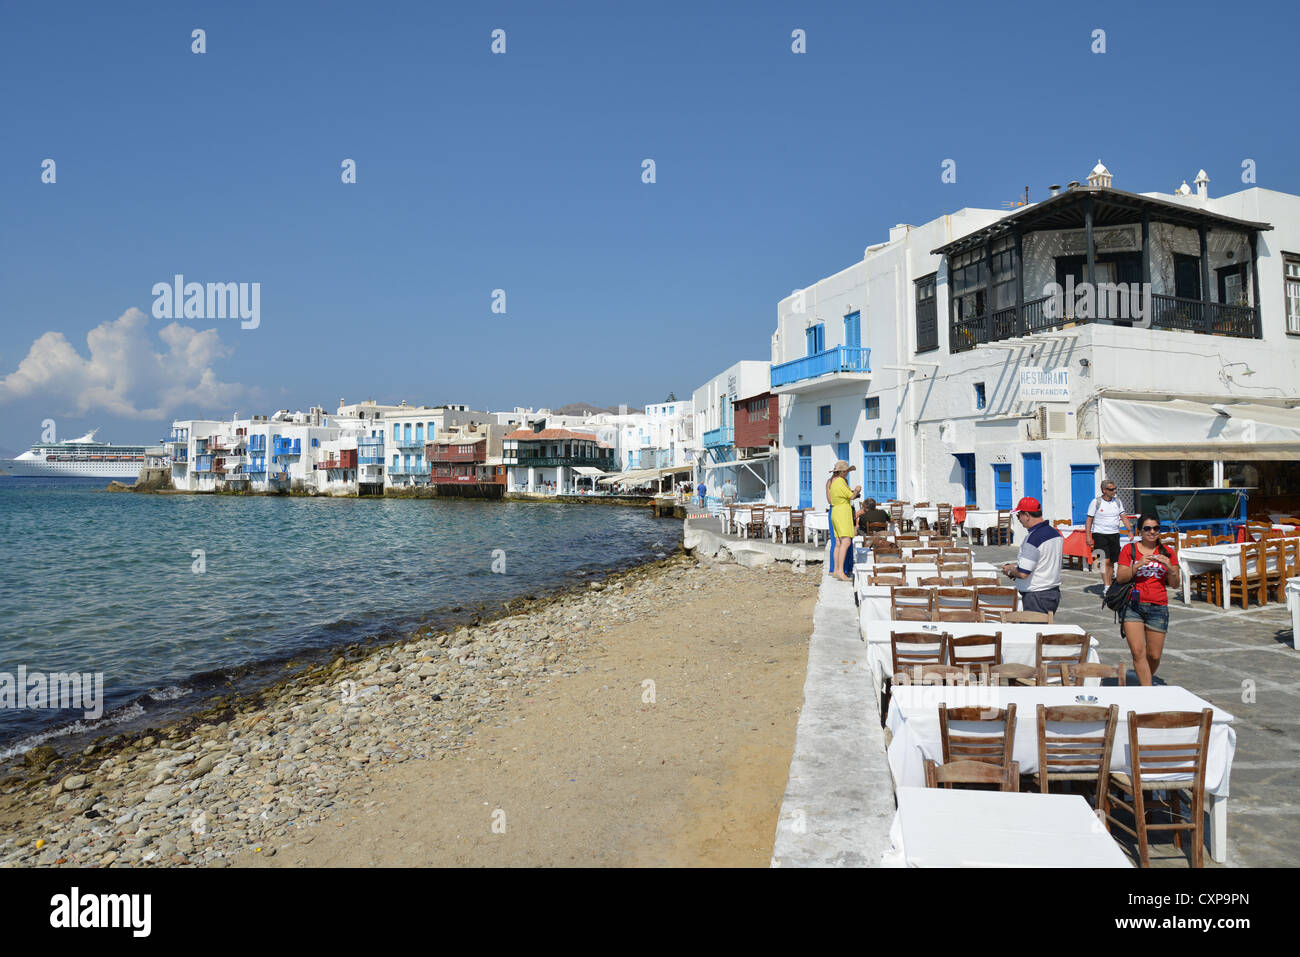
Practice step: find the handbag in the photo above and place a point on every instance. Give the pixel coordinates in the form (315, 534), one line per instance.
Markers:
(1118, 594)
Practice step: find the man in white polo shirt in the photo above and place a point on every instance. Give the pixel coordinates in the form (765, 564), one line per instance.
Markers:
(1101, 530)
(1037, 571)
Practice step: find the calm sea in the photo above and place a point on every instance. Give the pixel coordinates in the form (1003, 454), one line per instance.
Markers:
(174, 597)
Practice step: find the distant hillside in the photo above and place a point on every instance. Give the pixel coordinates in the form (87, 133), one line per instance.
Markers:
(583, 408)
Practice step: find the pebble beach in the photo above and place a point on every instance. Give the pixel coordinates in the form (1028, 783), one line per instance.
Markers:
(259, 774)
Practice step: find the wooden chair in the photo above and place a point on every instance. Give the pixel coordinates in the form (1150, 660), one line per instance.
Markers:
(891, 569)
(972, 772)
(1074, 674)
(1012, 673)
(1000, 534)
(954, 599)
(955, 553)
(938, 581)
(930, 554)
(1047, 661)
(1279, 563)
(997, 598)
(1081, 753)
(1063, 523)
(907, 541)
(896, 518)
(1160, 758)
(973, 582)
(1028, 617)
(908, 650)
(993, 738)
(942, 541)
(943, 518)
(1252, 580)
(921, 521)
(911, 604)
(795, 532)
(987, 650)
(954, 568)
(756, 524)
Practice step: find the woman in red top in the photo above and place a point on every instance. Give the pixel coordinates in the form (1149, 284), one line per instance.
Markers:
(1152, 568)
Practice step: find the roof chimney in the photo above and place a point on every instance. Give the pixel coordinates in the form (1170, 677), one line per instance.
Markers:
(1056, 189)
(1100, 176)
(1072, 184)
(1184, 190)
(1203, 185)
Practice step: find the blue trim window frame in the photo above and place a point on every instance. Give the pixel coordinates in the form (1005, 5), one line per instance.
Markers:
(872, 406)
(823, 415)
(853, 330)
(980, 400)
(879, 469)
(815, 338)
(967, 462)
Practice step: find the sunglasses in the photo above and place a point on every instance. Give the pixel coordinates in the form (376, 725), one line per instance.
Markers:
(1150, 528)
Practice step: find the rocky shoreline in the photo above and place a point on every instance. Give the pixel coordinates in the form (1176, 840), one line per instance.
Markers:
(254, 772)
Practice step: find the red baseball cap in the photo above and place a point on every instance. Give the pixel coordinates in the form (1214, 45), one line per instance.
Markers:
(1029, 505)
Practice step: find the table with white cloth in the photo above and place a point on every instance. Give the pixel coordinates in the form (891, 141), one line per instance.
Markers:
(914, 722)
(942, 827)
(1225, 559)
(816, 525)
(1293, 606)
(1019, 640)
(776, 522)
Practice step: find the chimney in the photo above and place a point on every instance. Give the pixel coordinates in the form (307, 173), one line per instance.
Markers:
(1100, 176)
(1203, 185)
(1184, 190)
(1072, 184)
(1056, 189)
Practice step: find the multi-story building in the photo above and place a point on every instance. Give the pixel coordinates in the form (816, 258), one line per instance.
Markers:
(716, 404)
(539, 459)
(467, 458)
(407, 429)
(1004, 355)
(261, 454)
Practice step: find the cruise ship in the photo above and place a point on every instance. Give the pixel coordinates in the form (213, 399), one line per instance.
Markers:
(81, 457)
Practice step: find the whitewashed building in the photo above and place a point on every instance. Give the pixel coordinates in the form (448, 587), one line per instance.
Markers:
(722, 414)
(984, 382)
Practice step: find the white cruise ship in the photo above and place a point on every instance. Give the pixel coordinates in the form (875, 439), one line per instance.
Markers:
(78, 458)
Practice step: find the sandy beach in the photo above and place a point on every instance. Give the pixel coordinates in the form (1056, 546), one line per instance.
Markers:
(648, 720)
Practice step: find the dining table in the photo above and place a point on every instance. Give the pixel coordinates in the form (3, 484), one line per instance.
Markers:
(913, 720)
(1019, 640)
(948, 827)
(1224, 559)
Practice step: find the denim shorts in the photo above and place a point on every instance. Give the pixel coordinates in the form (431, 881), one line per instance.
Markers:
(1155, 617)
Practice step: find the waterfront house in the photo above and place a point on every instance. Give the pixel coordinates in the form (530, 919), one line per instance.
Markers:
(540, 459)
(727, 451)
(466, 460)
(977, 380)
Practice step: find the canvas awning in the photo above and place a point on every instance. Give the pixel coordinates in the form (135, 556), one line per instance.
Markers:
(637, 476)
(737, 463)
(588, 471)
(1184, 429)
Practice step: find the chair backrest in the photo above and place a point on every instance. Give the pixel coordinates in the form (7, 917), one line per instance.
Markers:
(1061, 522)
(1252, 560)
(796, 520)
(972, 772)
(935, 581)
(930, 674)
(903, 599)
(922, 504)
(886, 580)
(986, 734)
(956, 553)
(1028, 617)
(931, 553)
(942, 541)
(1221, 539)
(1196, 540)
(974, 582)
(1004, 520)
(909, 648)
(918, 560)
(954, 568)
(997, 597)
(954, 599)
(896, 513)
(876, 528)
(1082, 744)
(1164, 754)
(907, 541)
(1053, 649)
(1073, 673)
(888, 569)
(957, 615)
(975, 650)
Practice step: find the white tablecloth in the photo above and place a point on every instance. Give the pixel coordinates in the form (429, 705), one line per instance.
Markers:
(1226, 559)
(938, 827)
(1293, 606)
(914, 722)
(1018, 640)
(914, 573)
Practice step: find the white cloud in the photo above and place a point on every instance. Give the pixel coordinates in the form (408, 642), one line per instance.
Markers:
(125, 374)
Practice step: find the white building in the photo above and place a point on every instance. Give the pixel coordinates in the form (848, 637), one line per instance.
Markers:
(407, 429)
(751, 467)
(260, 454)
(941, 367)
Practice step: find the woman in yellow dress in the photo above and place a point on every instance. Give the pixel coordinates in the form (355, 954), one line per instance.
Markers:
(841, 498)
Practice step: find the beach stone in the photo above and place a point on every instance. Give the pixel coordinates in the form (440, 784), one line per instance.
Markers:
(202, 766)
(39, 757)
(74, 782)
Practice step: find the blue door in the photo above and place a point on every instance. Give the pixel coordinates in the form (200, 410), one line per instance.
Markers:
(853, 330)
(816, 338)
(1002, 486)
(1083, 489)
(879, 470)
(1033, 462)
(842, 451)
(805, 476)
(967, 462)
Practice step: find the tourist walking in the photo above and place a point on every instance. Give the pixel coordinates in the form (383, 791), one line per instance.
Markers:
(1153, 569)
(841, 499)
(703, 490)
(1102, 527)
(1037, 569)
(728, 492)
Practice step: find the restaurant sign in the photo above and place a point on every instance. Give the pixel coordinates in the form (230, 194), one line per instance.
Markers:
(1045, 385)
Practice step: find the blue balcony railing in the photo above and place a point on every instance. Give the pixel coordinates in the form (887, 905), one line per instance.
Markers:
(719, 438)
(839, 359)
(283, 446)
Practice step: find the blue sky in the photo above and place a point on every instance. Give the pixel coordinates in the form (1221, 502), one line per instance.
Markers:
(522, 172)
